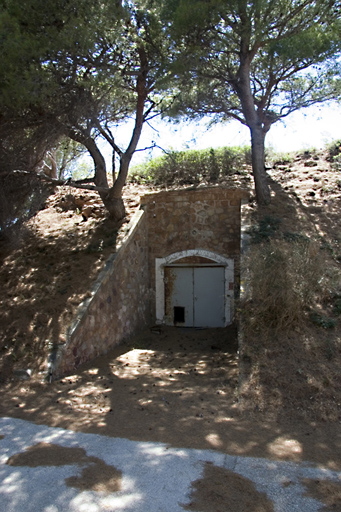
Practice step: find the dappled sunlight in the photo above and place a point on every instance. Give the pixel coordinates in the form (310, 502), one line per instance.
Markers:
(131, 363)
(249, 446)
(283, 447)
(290, 372)
(225, 419)
(43, 280)
(180, 388)
(214, 440)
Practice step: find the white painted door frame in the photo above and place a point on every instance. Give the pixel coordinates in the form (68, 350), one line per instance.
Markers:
(161, 263)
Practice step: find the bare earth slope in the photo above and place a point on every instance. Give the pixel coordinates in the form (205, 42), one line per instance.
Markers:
(170, 385)
(297, 374)
(47, 272)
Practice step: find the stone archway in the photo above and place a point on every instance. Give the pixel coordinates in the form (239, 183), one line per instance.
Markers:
(194, 288)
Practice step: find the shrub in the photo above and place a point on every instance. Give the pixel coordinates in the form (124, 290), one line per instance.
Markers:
(284, 279)
(192, 167)
(274, 158)
(336, 163)
(334, 155)
(334, 148)
(322, 320)
(267, 228)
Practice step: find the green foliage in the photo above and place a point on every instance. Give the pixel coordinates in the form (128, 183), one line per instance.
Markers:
(40, 38)
(77, 69)
(80, 169)
(70, 160)
(267, 228)
(49, 73)
(254, 61)
(322, 320)
(286, 55)
(274, 158)
(334, 149)
(192, 167)
(335, 156)
(336, 165)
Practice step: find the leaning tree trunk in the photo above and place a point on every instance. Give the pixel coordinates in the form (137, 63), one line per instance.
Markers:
(112, 199)
(254, 117)
(258, 166)
(114, 204)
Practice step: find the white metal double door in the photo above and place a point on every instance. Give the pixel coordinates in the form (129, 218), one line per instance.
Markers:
(195, 296)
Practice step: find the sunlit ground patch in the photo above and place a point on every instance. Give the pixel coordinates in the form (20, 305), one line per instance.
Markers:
(283, 447)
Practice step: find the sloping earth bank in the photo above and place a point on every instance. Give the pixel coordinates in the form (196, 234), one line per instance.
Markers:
(180, 390)
(177, 386)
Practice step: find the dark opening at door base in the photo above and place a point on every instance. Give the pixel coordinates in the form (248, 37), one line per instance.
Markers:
(179, 315)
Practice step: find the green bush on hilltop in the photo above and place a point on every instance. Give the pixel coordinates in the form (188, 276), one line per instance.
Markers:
(192, 167)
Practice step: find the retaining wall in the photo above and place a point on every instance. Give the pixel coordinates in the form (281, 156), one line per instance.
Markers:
(118, 306)
(123, 298)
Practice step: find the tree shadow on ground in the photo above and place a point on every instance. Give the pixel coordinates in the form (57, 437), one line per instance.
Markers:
(43, 280)
(180, 386)
(318, 216)
(175, 386)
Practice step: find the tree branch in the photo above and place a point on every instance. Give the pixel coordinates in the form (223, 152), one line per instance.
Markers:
(109, 138)
(64, 183)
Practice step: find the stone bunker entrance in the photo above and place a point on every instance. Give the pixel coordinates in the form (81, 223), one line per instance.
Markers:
(194, 288)
(179, 266)
(194, 255)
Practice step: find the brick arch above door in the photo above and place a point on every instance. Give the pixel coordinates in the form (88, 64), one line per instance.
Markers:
(198, 258)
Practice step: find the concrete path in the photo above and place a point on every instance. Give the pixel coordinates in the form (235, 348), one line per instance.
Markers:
(154, 477)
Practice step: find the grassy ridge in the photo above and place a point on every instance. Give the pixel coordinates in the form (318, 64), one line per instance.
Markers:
(192, 167)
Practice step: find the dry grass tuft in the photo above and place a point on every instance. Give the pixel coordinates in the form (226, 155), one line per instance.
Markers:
(284, 278)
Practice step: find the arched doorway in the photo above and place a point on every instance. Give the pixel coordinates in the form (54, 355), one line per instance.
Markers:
(194, 288)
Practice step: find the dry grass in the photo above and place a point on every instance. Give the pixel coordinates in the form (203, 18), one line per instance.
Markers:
(285, 280)
(290, 352)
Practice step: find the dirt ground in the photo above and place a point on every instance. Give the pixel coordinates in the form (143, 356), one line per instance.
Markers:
(96, 475)
(171, 385)
(223, 490)
(47, 271)
(298, 372)
(178, 386)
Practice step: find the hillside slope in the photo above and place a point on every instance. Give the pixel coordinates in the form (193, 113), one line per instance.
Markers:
(48, 271)
(291, 353)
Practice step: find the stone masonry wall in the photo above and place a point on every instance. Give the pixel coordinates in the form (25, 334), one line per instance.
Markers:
(119, 304)
(201, 218)
(123, 297)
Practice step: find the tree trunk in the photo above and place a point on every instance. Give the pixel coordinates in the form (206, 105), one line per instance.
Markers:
(254, 118)
(114, 204)
(258, 166)
(113, 200)
(111, 197)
